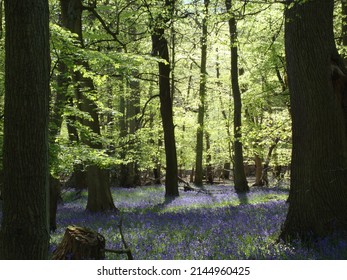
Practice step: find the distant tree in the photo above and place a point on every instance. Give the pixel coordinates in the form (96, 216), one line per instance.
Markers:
(24, 231)
(318, 193)
(129, 107)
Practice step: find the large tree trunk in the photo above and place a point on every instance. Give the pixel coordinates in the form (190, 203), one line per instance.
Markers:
(318, 191)
(240, 181)
(24, 230)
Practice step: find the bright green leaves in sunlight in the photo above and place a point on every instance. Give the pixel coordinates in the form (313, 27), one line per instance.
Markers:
(117, 47)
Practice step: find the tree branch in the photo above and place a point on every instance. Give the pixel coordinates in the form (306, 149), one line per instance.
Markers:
(104, 25)
(144, 108)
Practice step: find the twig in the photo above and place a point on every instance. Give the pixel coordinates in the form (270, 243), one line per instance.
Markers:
(127, 250)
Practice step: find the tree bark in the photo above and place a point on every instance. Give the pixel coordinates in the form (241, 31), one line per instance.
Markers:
(160, 48)
(226, 117)
(209, 168)
(318, 191)
(202, 94)
(133, 110)
(240, 181)
(54, 196)
(80, 244)
(258, 171)
(24, 230)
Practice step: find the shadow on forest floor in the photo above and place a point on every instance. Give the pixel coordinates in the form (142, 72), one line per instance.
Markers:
(243, 198)
(168, 200)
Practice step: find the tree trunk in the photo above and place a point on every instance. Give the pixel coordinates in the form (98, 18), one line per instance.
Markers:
(192, 175)
(99, 193)
(264, 175)
(160, 48)
(24, 230)
(209, 168)
(123, 131)
(133, 111)
(80, 244)
(226, 117)
(258, 171)
(202, 95)
(54, 196)
(156, 174)
(318, 191)
(240, 181)
(97, 180)
(226, 171)
(171, 183)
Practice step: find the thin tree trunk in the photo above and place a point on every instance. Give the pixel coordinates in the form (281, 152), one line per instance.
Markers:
(209, 168)
(24, 231)
(160, 49)
(133, 112)
(123, 131)
(202, 95)
(318, 193)
(240, 181)
(258, 171)
(264, 175)
(227, 165)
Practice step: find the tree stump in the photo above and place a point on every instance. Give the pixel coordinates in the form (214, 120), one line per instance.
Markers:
(80, 244)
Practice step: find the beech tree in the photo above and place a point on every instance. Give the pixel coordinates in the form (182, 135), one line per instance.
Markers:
(202, 94)
(160, 49)
(97, 179)
(24, 231)
(318, 194)
(240, 181)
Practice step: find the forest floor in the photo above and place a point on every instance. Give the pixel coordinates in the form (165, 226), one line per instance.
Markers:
(215, 223)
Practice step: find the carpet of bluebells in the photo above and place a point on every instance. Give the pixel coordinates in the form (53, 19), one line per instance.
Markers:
(215, 223)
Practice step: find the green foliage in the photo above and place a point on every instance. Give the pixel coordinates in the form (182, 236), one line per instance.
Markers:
(117, 47)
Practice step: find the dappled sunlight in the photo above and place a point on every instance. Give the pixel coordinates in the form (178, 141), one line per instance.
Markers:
(220, 224)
